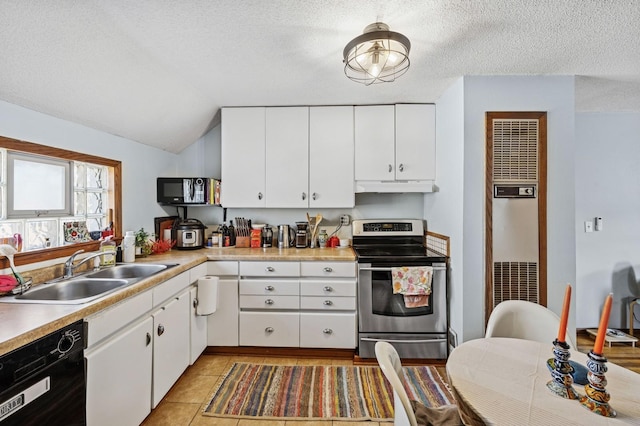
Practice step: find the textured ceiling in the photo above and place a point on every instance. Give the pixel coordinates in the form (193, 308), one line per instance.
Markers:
(157, 71)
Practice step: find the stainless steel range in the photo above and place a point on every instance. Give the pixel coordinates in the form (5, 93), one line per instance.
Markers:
(415, 332)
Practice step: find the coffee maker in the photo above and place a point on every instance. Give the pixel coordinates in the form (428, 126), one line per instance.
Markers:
(302, 234)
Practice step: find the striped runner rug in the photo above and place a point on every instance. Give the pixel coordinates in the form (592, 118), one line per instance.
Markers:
(320, 392)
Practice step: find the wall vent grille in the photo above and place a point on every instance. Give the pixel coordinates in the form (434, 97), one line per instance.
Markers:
(515, 281)
(515, 150)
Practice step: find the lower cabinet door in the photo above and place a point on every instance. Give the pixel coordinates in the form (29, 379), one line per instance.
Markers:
(328, 330)
(170, 344)
(198, 328)
(222, 325)
(269, 329)
(119, 378)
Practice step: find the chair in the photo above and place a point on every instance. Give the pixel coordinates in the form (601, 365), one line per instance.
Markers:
(391, 366)
(524, 320)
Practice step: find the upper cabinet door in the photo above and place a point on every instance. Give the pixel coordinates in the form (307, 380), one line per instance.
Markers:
(287, 153)
(415, 142)
(243, 157)
(374, 142)
(331, 176)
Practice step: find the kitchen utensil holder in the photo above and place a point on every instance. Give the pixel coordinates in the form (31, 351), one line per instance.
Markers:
(561, 383)
(243, 242)
(597, 398)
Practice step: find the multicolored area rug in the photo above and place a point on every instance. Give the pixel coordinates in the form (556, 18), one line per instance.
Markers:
(320, 392)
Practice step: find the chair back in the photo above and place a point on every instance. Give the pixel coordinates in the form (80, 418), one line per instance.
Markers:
(524, 320)
(391, 367)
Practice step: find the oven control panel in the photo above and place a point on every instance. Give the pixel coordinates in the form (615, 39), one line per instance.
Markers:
(389, 227)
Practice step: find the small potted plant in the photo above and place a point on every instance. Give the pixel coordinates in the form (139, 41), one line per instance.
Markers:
(143, 245)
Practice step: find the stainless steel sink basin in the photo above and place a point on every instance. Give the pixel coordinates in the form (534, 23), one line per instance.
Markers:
(73, 291)
(128, 271)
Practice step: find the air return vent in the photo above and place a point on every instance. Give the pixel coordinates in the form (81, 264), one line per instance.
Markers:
(515, 281)
(515, 150)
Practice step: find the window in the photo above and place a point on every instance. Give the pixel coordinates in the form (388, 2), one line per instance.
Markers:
(43, 188)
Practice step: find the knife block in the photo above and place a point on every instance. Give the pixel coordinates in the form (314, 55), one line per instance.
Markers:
(243, 242)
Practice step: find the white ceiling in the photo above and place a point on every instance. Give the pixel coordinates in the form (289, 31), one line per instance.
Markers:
(157, 71)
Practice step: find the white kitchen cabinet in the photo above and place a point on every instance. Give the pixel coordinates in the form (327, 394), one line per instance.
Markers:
(395, 148)
(198, 335)
(331, 157)
(278, 329)
(170, 344)
(243, 157)
(119, 377)
(287, 153)
(222, 325)
(322, 330)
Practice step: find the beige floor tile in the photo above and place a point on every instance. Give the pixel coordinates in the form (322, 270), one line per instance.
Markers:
(248, 359)
(171, 414)
(281, 361)
(342, 362)
(192, 388)
(211, 365)
(202, 420)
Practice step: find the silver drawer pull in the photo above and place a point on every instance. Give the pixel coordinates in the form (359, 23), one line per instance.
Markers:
(268, 302)
(327, 331)
(269, 269)
(269, 288)
(269, 330)
(390, 168)
(328, 269)
(327, 288)
(327, 303)
(401, 167)
(259, 195)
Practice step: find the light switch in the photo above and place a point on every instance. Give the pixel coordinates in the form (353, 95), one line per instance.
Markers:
(588, 226)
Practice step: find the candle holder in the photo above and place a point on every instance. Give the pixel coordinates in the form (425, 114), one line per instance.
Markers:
(597, 397)
(561, 383)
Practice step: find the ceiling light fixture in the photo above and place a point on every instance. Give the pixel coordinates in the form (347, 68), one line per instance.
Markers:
(376, 56)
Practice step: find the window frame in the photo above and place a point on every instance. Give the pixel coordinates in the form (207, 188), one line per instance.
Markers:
(115, 196)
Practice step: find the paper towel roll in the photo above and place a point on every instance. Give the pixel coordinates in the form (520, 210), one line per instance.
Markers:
(167, 235)
(207, 295)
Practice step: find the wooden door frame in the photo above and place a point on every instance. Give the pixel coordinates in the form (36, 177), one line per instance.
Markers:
(541, 116)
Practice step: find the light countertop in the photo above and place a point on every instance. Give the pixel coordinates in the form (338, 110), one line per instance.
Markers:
(22, 323)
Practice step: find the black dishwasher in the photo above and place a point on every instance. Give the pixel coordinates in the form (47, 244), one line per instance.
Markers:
(43, 382)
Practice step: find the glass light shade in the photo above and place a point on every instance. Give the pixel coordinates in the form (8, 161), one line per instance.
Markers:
(376, 56)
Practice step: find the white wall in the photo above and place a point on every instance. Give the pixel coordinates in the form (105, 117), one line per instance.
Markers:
(607, 178)
(511, 93)
(141, 164)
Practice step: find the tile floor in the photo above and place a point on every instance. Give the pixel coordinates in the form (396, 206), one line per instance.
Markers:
(185, 401)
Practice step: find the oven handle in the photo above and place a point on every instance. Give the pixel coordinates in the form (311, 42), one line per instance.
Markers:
(371, 339)
(435, 268)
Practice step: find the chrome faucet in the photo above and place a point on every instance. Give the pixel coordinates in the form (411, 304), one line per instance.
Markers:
(69, 267)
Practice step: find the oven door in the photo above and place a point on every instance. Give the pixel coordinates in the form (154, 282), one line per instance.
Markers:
(381, 311)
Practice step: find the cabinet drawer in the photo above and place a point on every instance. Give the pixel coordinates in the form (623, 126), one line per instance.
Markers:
(269, 302)
(328, 288)
(197, 272)
(222, 268)
(328, 330)
(328, 303)
(328, 269)
(270, 287)
(270, 269)
(269, 329)
(170, 287)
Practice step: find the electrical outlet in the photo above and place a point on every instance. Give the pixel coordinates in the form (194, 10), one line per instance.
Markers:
(345, 219)
(588, 226)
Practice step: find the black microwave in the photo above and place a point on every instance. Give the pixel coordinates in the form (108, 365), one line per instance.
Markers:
(188, 190)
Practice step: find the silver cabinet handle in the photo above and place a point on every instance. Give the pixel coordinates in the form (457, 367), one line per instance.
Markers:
(390, 168)
(401, 167)
(268, 302)
(160, 330)
(148, 339)
(314, 196)
(328, 269)
(195, 303)
(304, 195)
(327, 303)
(328, 288)
(327, 331)
(259, 195)
(269, 330)
(269, 269)
(269, 288)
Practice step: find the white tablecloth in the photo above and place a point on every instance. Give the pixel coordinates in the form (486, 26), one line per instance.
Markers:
(504, 382)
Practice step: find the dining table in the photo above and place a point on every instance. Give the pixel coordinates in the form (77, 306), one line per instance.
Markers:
(503, 381)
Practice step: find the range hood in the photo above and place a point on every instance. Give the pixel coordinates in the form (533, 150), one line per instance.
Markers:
(394, 186)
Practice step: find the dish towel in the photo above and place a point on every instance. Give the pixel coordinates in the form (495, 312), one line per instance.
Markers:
(414, 283)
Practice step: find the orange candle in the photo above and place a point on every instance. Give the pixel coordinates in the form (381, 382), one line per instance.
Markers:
(565, 314)
(602, 329)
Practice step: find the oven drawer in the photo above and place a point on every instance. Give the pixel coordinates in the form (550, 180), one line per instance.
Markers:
(270, 287)
(328, 303)
(328, 269)
(270, 269)
(408, 346)
(269, 329)
(328, 330)
(269, 302)
(328, 288)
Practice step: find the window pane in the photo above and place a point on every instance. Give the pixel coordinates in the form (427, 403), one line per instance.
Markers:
(96, 223)
(38, 186)
(40, 233)
(79, 175)
(96, 177)
(95, 202)
(80, 203)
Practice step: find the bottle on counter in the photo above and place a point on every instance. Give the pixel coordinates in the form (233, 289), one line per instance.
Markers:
(232, 234)
(108, 249)
(226, 236)
(129, 247)
(322, 238)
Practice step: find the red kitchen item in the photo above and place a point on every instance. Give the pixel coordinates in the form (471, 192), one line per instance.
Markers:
(333, 242)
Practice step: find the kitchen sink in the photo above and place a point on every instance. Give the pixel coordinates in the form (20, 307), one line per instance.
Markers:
(128, 271)
(73, 291)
